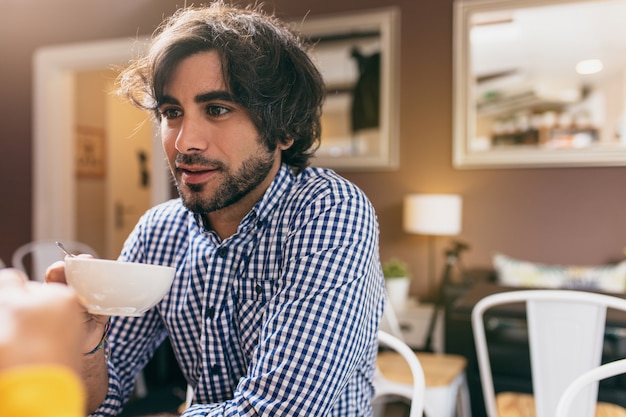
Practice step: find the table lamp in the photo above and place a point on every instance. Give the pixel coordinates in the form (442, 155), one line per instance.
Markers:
(432, 215)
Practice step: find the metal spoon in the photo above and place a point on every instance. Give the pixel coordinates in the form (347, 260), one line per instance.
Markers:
(63, 249)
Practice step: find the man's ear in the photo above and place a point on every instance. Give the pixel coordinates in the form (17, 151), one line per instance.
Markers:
(282, 146)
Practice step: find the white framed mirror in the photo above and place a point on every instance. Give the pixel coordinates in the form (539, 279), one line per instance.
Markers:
(358, 56)
(518, 98)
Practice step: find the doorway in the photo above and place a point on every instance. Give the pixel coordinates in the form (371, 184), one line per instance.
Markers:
(55, 125)
(113, 145)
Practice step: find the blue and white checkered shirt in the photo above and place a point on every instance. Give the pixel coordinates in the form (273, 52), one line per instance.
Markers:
(279, 319)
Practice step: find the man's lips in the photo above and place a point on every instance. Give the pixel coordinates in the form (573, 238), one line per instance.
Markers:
(195, 175)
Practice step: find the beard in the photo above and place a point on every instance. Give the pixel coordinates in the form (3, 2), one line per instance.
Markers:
(234, 187)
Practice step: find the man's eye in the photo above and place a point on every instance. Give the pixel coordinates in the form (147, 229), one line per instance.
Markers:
(170, 113)
(216, 111)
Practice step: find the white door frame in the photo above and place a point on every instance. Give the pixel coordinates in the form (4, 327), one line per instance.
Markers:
(53, 132)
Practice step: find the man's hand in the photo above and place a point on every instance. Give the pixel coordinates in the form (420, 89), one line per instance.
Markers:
(93, 324)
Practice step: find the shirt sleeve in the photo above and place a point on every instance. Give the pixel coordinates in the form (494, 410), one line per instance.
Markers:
(42, 390)
(319, 334)
(129, 356)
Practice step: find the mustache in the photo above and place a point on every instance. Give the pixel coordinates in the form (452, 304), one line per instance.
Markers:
(198, 160)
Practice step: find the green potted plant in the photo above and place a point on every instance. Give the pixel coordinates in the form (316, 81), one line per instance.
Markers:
(397, 281)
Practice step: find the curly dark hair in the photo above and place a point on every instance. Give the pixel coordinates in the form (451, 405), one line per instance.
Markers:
(264, 62)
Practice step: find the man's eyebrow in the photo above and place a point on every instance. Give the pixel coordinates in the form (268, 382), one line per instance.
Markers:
(214, 95)
(200, 98)
(166, 100)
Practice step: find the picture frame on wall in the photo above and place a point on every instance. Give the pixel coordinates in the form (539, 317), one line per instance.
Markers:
(90, 152)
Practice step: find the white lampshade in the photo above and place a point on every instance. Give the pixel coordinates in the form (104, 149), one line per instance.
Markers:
(432, 214)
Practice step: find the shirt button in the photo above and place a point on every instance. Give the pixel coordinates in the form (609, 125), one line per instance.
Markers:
(214, 370)
(210, 312)
(222, 252)
(258, 289)
(259, 224)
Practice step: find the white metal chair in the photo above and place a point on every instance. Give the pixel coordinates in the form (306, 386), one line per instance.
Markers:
(384, 387)
(446, 393)
(586, 385)
(566, 336)
(43, 254)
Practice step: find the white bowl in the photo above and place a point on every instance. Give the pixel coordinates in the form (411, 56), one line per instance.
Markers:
(115, 288)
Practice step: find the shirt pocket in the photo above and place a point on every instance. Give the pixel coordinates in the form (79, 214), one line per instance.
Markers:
(254, 290)
(254, 296)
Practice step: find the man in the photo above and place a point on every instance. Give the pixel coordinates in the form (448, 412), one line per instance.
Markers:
(278, 293)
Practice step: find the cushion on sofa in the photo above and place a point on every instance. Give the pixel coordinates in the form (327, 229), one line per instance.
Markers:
(517, 273)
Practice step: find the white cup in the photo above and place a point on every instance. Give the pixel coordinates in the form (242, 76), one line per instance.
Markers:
(115, 288)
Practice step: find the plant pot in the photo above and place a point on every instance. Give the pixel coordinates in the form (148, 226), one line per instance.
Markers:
(397, 291)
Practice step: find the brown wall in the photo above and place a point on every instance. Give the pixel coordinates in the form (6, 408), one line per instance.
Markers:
(558, 215)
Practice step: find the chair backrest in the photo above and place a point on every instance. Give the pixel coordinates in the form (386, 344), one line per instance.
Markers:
(389, 322)
(419, 383)
(566, 335)
(592, 376)
(43, 254)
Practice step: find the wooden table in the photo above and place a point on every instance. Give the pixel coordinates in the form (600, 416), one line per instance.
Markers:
(439, 369)
(444, 375)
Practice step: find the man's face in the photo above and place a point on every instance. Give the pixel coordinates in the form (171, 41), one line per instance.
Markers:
(212, 146)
